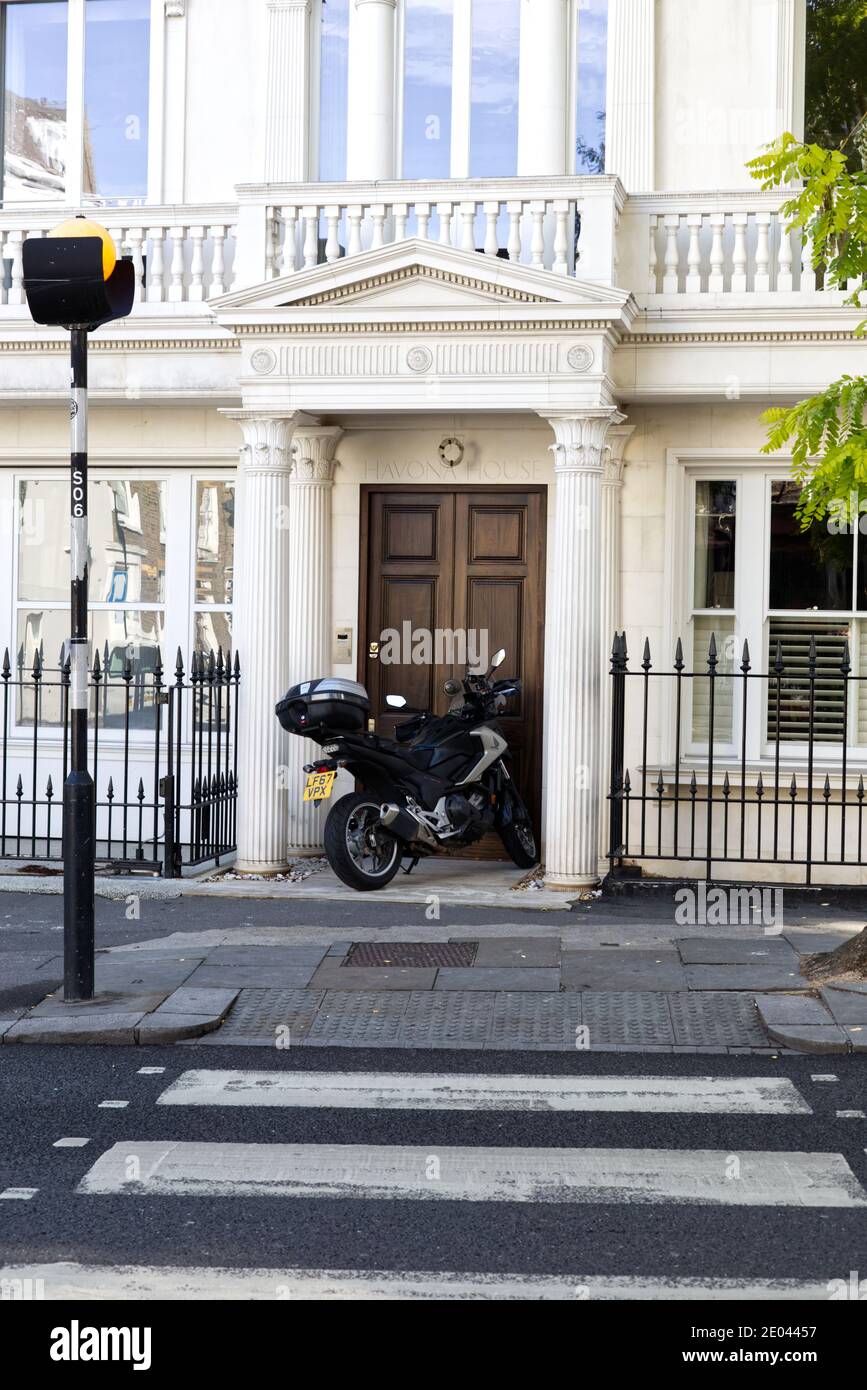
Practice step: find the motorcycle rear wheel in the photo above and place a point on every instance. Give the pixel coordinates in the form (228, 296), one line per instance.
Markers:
(359, 849)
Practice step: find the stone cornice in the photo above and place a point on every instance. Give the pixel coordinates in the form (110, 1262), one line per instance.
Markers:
(421, 273)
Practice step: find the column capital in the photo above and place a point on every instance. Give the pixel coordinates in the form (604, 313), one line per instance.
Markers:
(582, 439)
(312, 453)
(267, 437)
(615, 447)
(289, 5)
(391, 3)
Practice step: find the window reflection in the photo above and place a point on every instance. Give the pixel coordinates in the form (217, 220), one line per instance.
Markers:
(592, 71)
(494, 113)
(117, 38)
(809, 569)
(715, 504)
(333, 89)
(34, 101)
(427, 89)
(215, 537)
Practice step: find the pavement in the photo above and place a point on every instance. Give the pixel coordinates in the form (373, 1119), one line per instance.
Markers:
(241, 969)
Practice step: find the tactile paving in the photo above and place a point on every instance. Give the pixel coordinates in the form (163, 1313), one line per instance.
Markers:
(459, 1019)
(536, 1021)
(725, 1019)
(358, 1019)
(626, 1017)
(258, 1014)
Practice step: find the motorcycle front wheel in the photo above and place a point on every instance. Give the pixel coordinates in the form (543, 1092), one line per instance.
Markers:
(517, 836)
(359, 849)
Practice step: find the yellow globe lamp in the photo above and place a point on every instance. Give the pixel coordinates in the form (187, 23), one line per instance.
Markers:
(82, 226)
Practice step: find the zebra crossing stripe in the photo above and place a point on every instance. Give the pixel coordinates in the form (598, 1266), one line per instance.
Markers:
(700, 1176)
(703, 1095)
(67, 1281)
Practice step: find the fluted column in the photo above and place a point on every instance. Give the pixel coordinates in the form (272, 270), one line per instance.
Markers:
(573, 646)
(261, 628)
(609, 597)
(629, 121)
(311, 480)
(370, 122)
(543, 88)
(288, 93)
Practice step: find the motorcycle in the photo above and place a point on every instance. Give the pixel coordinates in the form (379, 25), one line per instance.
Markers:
(442, 782)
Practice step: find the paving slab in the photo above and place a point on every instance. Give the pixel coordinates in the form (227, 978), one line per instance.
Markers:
(791, 1010)
(268, 1017)
(331, 975)
(810, 943)
(108, 1028)
(447, 1020)
(716, 1020)
(6, 1024)
(850, 986)
(251, 976)
(622, 970)
(358, 1020)
(112, 1002)
(542, 1022)
(810, 1037)
(847, 1008)
(759, 977)
(149, 974)
(626, 1018)
(497, 977)
(191, 1000)
(256, 956)
(538, 951)
(703, 950)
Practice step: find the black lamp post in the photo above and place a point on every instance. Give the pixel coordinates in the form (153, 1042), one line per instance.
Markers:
(73, 279)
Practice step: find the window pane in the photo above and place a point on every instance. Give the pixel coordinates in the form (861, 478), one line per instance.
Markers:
(132, 635)
(34, 100)
(723, 632)
(592, 68)
(117, 39)
(213, 631)
(334, 57)
(127, 541)
(715, 504)
(494, 112)
(809, 569)
(215, 541)
(43, 541)
(789, 711)
(427, 89)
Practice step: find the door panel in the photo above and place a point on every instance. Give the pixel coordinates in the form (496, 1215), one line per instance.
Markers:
(456, 564)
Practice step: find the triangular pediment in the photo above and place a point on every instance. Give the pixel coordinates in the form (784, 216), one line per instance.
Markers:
(417, 274)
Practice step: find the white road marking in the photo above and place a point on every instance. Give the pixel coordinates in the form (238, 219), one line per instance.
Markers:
(74, 1281)
(703, 1095)
(823, 1076)
(850, 1114)
(150, 1071)
(113, 1104)
(70, 1143)
(366, 1171)
(18, 1194)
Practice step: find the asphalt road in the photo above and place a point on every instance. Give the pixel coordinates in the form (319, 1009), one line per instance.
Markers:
(47, 1094)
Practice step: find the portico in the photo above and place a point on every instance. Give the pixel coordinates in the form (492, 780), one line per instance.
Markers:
(424, 337)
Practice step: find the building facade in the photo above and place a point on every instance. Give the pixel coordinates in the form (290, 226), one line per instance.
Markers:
(453, 317)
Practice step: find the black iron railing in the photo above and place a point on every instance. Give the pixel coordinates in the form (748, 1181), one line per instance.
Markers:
(756, 768)
(162, 753)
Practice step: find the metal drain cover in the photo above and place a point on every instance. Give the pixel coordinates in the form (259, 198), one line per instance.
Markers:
(409, 953)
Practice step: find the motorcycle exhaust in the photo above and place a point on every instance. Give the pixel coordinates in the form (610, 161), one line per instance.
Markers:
(405, 826)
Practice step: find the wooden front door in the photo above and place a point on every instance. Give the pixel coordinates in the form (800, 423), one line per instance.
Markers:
(460, 565)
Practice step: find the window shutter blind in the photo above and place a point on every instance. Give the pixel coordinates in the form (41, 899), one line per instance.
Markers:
(794, 635)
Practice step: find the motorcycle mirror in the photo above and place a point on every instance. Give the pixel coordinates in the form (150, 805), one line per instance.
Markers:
(498, 658)
(396, 701)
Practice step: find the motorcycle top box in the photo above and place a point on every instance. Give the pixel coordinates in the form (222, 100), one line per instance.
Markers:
(329, 704)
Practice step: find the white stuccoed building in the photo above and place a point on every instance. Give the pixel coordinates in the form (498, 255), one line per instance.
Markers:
(402, 353)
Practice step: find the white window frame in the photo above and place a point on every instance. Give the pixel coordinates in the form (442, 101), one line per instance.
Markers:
(180, 471)
(196, 607)
(755, 472)
(75, 63)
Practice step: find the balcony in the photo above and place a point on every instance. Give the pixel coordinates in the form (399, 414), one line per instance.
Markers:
(674, 251)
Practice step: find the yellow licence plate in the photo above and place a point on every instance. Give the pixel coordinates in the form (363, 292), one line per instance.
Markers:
(318, 786)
